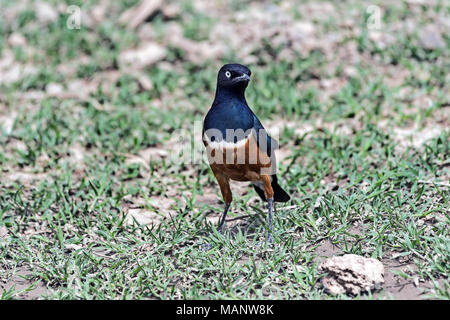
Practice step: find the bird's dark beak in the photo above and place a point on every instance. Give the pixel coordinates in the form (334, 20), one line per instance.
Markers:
(245, 77)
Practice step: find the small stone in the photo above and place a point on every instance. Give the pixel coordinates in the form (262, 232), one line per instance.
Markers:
(45, 13)
(16, 39)
(141, 216)
(7, 122)
(142, 57)
(3, 232)
(171, 11)
(73, 246)
(136, 15)
(430, 38)
(145, 82)
(304, 28)
(351, 274)
(350, 71)
(54, 89)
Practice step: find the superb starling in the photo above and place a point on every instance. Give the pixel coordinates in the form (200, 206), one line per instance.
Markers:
(238, 146)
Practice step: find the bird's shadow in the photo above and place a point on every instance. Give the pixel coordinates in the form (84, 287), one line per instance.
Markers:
(252, 226)
(248, 224)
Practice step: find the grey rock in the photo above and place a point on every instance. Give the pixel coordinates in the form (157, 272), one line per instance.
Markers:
(430, 38)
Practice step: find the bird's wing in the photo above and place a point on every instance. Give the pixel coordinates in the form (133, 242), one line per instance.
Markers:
(265, 142)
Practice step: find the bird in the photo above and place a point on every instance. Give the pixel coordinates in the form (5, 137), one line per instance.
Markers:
(238, 147)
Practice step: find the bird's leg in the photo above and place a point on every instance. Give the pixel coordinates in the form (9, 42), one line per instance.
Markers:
(224, 183)
(208, 246)
(270, 207)
(268, 191)
(224, 215)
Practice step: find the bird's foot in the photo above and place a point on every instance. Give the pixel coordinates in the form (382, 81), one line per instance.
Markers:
(265, 244)
(205, 247)
(270, 240)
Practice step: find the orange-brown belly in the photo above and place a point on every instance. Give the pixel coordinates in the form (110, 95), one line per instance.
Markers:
(242, 162)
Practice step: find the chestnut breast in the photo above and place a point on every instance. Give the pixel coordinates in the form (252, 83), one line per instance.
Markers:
(241, 161)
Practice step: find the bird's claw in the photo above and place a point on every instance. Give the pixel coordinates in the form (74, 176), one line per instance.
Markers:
(265, 244)
(205, 247)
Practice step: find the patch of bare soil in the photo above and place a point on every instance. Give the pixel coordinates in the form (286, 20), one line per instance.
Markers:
(399, 288)
(327, 249)
(148, 211)
(209, 199)
(29, 290)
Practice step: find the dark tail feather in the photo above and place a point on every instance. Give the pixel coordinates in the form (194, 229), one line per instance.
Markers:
(279, 194)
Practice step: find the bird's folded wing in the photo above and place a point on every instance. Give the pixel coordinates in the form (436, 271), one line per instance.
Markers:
(264, 141)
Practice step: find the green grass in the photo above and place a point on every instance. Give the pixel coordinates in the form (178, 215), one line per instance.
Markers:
(361, 189)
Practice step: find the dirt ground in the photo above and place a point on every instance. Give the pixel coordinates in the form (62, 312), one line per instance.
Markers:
(96, 203)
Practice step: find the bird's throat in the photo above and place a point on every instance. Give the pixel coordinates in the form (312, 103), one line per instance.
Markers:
(226, 94)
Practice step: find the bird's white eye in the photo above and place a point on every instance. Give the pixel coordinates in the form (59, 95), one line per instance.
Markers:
(228, 74)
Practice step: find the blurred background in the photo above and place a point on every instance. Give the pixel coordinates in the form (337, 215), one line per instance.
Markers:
(91, 93)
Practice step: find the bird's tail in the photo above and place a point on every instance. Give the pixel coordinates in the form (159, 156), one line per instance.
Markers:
(279, 194)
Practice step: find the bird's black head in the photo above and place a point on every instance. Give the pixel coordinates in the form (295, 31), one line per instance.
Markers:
(233, 76)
